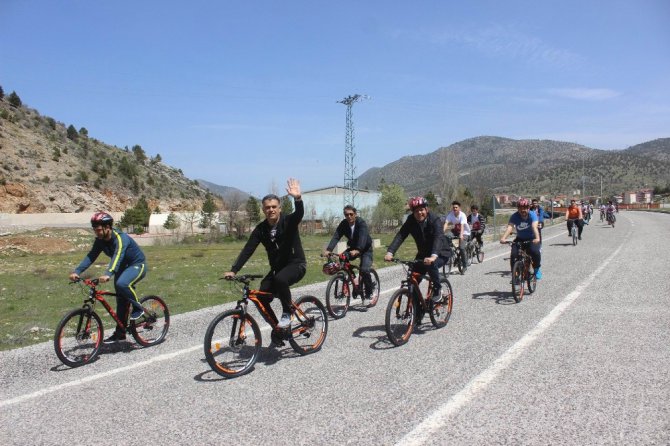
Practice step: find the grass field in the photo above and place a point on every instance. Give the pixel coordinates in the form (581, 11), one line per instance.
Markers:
(35, 292)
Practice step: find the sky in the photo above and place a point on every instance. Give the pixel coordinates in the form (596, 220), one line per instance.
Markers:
(245, 93)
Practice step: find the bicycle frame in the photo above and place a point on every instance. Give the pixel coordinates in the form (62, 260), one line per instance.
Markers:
(352, 271)
(95, 294)
(249, 294)
(412, 284)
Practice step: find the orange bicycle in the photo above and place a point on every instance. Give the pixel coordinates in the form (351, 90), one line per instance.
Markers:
(347, 283)
(408, 305)
(233, 338)
(79, 334)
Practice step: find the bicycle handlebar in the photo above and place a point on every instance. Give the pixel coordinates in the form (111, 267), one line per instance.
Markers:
(244, 278)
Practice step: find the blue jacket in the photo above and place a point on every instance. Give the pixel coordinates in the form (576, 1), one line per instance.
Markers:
(122, 250)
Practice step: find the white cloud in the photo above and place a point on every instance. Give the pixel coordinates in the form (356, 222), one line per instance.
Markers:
(500, 41)
(586, 94)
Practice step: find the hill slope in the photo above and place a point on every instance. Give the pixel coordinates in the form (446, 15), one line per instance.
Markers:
(46, 167)
(494, 164)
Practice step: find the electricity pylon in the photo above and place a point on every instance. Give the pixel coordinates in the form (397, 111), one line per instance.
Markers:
(350, 181)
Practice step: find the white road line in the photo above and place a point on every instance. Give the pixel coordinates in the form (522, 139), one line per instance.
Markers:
(159, 358)
(434, 422)
(88, 379)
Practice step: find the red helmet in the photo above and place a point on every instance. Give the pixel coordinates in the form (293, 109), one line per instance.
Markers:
(331, 268)
(417, 202)
(523, 203)
(102, 218)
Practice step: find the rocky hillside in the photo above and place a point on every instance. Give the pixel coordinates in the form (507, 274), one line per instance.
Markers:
(494, 164)
(46, 166)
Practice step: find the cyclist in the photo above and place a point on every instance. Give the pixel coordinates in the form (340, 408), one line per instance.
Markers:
(586, 212)
(279, 235)
(539, 211)
(525, 224)
(477, 224)
(127, 265)
(426, 230)
(359, 243)
(457, 222)
(574, 216)
(610, 209)
(603, 209)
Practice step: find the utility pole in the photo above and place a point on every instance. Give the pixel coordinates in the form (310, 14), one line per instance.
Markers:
(350, 181)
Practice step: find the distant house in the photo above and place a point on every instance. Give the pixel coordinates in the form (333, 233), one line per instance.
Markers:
(629, 197)
(327, 203)
(645, 196)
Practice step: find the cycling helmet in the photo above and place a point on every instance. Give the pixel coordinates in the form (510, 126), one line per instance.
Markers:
(417, 202)
(523, 203)
(102, 218)
(330, 268)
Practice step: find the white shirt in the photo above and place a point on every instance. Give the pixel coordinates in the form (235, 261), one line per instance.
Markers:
(459, 223)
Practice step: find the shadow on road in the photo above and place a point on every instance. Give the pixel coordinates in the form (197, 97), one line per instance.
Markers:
(500, 297)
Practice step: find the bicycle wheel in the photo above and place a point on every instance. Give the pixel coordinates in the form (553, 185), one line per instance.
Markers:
(232, 343)
(460, 263)
(338, 295)
(531, 280)
(309, 326)
(480, 254)
(151, 328)
(400, 317)
(574, 236)
(517, 281)
(440, 312)
(469, 254)
(376, 288)
(78, 337)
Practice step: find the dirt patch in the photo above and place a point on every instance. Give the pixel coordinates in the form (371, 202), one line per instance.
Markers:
(45, 242)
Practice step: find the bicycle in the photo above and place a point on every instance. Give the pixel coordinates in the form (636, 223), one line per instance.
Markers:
(611, 218)
(523, 272)
(346, 283)
(573, 231)
(79, 334)
(408, 305)
(455, 257)
(477, 252)
(233, 338)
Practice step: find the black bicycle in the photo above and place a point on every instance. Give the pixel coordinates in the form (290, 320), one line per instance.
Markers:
(523, 273)
(408, 304)
(455, 257)
(346, 283)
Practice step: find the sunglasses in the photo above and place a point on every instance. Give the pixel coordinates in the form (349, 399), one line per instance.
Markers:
(349, 214)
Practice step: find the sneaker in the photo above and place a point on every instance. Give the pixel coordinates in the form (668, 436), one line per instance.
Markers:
(437, 296)
(579, 238)
(275, 341)
(538, 274)
(114, 338)
(136, 314)
(285, 321)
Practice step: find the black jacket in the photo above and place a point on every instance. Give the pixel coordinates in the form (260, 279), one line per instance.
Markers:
(360, 240)
(428, 236)
(286, 248)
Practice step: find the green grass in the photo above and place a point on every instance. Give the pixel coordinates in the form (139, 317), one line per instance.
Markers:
(35, 292)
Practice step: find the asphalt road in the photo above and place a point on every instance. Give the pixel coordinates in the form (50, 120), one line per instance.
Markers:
(585, 360)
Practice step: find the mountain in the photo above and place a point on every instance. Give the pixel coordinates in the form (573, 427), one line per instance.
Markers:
(229, 194)
(489, 164)
(48, 167)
